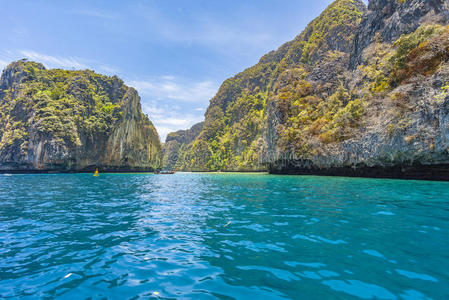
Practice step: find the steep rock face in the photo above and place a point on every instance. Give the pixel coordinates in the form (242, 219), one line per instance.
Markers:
(57, 120)
(177, 144)
(185, 136)
(361, 91)
(233, 136)
(388, 117)
(389, 19)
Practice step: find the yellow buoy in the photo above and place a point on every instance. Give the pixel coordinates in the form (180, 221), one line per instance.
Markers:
(96, 174)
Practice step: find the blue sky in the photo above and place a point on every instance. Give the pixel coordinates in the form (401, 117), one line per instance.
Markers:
(176, 53)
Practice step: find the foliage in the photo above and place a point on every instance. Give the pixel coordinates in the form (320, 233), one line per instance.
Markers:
(235, 148)
(237, 115)
(440, 98)
(336, 23)
(419, 52)
(329, 120)
(59, 103)
(316, 106)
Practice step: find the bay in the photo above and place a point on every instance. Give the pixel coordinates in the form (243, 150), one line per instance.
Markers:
(225, 236)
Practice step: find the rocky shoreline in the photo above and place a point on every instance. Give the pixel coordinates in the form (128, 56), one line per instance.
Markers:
(415, 172)
(83, 171)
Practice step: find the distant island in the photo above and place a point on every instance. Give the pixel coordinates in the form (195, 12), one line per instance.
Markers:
(362, 91)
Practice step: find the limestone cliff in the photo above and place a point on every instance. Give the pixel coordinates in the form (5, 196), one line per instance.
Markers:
(233, 138)
(388, 20)
(58, 120)
(387, 115)
(177, 145)
(361, 91)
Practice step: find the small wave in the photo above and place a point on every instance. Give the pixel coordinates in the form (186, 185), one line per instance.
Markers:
(374, 253)
(281, 274)
(318, 239)
(413, 275)
(360, 289)
(310, 265)
(384, 213)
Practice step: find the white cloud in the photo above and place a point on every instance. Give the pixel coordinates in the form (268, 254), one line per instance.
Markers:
(107, 69)
(168, 101)
(51, 61)
(152, 109)
(54, 61)
(180, 123)
(169, 87)
(163, 132)
(169, 118)
(168, 77)
(173, 122)
(3, 64)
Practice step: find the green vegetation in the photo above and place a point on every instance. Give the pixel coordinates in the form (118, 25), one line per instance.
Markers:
(59, 103)
(420, 52)
(232, 137)
(444, 93)
(334, 25)
(313, 119)
(236, 145)
(417, 53)
(305, 100)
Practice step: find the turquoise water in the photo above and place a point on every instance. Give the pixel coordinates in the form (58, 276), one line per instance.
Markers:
(131, 236)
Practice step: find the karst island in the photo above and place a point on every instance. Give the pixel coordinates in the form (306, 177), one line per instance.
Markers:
(224, 150)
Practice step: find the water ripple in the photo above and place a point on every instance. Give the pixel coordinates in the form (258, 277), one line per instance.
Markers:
(208, 236)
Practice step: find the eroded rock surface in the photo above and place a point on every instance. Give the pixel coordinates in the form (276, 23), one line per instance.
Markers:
(58, 120)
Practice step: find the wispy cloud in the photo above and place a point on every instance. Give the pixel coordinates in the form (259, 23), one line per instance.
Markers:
(3, 64)
(174, 122)
(97, 14)
(168, 118)
(170, 87)
(55, 61)
(205, 30)
(214, 35)
(104, 69)
(168, 101)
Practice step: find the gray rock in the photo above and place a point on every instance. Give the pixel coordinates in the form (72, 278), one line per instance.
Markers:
(130, 143)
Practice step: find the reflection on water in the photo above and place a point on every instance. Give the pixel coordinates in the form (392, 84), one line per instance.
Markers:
(222, 236)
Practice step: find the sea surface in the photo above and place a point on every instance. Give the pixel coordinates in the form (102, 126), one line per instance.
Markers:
(222, 236)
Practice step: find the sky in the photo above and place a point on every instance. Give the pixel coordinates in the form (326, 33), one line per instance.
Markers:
(176, 53)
